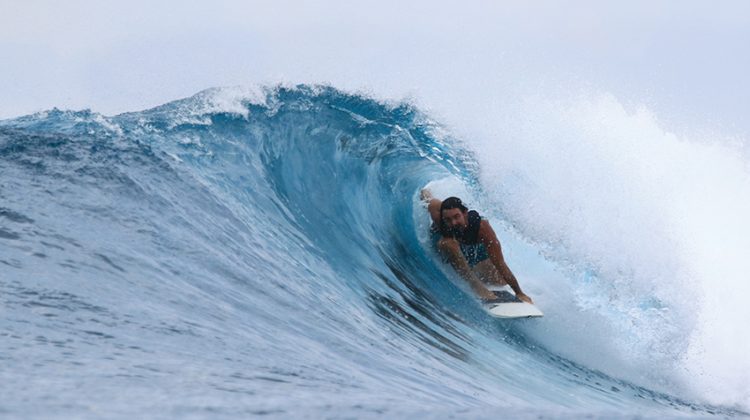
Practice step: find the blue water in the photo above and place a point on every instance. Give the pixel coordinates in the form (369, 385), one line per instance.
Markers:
(228, 255)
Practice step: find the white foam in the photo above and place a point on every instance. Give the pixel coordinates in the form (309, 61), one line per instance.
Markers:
(650, 231)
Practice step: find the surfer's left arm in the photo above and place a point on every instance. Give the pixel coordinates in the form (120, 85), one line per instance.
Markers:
(489, 239)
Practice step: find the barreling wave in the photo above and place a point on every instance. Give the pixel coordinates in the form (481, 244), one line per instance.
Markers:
(250, 252)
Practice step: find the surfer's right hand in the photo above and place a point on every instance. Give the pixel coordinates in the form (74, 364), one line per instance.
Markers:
(524, 298)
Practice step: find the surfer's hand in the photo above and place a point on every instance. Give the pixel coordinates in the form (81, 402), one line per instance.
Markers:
(524, 298)
(488, 296)
(425, 195)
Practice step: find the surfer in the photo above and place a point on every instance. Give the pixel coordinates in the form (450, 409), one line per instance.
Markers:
(470, 245)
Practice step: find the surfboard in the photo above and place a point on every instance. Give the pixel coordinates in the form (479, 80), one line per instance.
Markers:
(508, 306)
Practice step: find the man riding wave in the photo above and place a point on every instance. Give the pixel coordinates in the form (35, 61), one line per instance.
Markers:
(470, 246)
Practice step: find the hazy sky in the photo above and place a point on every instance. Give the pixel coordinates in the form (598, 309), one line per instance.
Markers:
(688, 61)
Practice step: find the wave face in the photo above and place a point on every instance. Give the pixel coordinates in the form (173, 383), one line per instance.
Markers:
(263, 252)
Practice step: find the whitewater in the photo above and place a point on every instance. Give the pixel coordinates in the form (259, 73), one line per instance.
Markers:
(264, 252)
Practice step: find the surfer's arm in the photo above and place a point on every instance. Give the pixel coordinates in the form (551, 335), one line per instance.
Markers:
(433, 204)
(489, 239)
(451, 250)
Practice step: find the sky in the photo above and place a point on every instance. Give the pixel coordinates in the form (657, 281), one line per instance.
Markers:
(685, 60)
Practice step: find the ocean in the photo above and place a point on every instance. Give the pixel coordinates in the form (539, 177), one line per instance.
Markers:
(248, 252)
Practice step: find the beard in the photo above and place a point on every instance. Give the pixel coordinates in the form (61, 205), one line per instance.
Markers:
(456, 232)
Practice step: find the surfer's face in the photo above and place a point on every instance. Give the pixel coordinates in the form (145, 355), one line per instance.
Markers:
(454, 219)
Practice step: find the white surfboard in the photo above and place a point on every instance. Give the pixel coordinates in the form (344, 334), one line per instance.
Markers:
(508, 305)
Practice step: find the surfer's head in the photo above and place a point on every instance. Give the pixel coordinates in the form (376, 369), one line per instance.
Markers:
(453, 217)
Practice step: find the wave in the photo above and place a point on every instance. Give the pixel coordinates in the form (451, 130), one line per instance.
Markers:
(260, 251)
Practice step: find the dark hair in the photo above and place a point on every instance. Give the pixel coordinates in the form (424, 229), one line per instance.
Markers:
(447, 204)
(452, 203)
